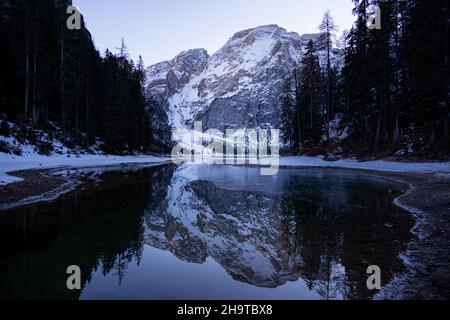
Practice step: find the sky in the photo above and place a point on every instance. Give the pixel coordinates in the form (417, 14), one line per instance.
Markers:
(160, 29)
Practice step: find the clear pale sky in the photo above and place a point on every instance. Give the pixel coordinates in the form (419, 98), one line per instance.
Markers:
(160, 29)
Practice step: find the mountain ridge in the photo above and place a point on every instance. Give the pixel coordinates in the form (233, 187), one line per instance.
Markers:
(236, 87)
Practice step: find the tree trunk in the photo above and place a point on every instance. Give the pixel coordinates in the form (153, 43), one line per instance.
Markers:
(35, 107)
(299, 125)
(297, 101)
(87, 126)
(312, 118)
(446, 74)
(446, 121)
(78, 100)
(397, 126)
(61, 66)
(328, 117)
(347, 103)
(432, 138)
(378, 131)
(27, 65)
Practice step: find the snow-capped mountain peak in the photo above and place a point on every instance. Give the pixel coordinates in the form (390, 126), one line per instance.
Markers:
(237, 87)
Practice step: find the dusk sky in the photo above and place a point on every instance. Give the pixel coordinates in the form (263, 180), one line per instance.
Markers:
(159, 30)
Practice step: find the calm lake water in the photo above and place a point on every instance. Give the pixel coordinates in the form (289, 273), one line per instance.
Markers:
(206, 232)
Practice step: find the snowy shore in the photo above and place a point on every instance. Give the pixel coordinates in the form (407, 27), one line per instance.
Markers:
(10, 163)
(439, 168)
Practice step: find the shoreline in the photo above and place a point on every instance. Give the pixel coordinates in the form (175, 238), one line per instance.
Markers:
(34, 186)
(42, 185)
(426, 196)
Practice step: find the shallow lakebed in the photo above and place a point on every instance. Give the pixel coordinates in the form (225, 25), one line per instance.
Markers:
(207, 232)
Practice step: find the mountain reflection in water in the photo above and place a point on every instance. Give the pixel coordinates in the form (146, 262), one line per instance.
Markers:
(207, 232)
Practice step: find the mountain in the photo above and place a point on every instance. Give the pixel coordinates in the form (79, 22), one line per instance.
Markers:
(236, 87)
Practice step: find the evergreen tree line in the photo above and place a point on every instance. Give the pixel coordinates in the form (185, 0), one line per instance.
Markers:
(392, 88)
(53, 78)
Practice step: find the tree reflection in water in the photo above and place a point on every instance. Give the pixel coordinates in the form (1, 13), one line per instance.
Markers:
(322, 227)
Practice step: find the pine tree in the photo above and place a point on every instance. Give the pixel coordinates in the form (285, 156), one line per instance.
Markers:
(140, 72)
(424, 58)
(123, 50)
(288, 115)
(357, 73)
(56, 77)
(311, 102)
(328, 28)
(380, 57)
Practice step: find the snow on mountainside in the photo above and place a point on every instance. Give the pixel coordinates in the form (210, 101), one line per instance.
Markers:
(236, 87)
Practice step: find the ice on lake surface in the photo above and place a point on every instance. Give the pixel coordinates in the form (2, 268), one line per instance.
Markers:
(207, 232)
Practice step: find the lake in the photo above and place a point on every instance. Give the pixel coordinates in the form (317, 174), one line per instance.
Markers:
(206, 232)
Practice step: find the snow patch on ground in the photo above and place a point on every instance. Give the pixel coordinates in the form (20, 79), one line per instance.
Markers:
(337, 132)
(10, 163)
(441, 168)
(24, 146)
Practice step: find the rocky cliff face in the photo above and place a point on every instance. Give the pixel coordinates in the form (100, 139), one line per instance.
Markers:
(237, 87)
